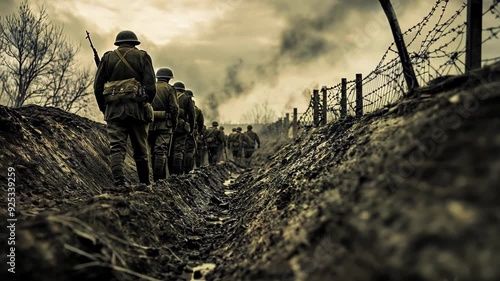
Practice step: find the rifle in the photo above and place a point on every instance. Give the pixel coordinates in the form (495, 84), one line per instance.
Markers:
(96, 55)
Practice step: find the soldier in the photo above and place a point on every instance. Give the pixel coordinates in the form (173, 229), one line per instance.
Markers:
(166, 111)
(124, 87)
(185, 125)
(201, 148)
(235, 144)
(199, 130)
(214, 138)
(190, 146)
(222, 156)
(251, 138)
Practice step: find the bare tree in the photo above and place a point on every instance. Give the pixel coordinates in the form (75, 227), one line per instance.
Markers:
(37, 63)
(260, 114)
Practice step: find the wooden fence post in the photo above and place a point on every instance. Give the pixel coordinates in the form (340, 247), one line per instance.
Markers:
(324, 106)
(343, 100)
(474, 39)
(295, 125)
(359, 95)
(315, 107)
(287, 124)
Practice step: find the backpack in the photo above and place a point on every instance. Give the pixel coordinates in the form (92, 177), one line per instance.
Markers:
(123, 91)
(210, 138)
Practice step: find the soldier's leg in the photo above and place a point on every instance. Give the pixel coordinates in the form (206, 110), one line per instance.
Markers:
(117, 135)
(199, 155)
(160, 155)
(248, 157)
(178, 158)
(138, 131)
(152, 135)
(189, 152)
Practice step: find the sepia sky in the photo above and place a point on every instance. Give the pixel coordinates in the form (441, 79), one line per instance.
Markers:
(236, 54)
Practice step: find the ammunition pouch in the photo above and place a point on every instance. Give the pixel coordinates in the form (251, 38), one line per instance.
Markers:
(124, 91)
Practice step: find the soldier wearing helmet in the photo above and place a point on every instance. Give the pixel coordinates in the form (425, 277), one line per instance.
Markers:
(184, 129)
(213, 138)
(124, 87)
(250, 140)
(166, 111)
(235, 145)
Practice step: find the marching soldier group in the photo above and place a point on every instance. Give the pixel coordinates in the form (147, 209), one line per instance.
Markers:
(165, 126)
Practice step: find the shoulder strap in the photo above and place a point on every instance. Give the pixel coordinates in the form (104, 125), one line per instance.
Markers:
(124, 60)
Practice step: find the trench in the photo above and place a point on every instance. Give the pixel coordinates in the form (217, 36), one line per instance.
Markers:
(333, 204)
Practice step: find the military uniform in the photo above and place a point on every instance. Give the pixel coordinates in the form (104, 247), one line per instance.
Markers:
(190, 146)
(185, 125)
(214, 139)
(201, 146)
(126, 117)
(250, 139)
(192, 150)
(222, 148)
(235, 145)
(166, 109)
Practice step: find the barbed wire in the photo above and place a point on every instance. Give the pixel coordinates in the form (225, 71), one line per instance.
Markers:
(386, 84)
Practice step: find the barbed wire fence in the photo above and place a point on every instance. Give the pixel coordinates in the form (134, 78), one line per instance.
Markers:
(441, 52)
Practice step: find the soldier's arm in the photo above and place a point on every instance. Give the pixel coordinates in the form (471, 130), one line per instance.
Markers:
(101, 77)
(173, 107)
(190, 115)
(149, 77)
(201, 121)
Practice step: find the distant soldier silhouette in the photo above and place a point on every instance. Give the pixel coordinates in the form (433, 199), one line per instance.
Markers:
(201, 149)
(199, 131)
(166, 111)
(124, 87)
(190, 146)
(250, 140)
(235, 140)
(222, 148)
(214, 138)
(185, 126)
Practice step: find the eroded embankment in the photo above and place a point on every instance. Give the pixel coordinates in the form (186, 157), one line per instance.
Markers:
(409, 192)
(68, 229)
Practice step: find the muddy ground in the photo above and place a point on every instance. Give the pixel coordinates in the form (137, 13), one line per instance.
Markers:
(409, 192)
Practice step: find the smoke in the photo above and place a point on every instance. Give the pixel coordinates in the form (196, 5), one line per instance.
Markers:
(246, 45)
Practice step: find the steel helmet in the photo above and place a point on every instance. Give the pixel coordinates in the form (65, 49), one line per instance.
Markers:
(215, 123)
(164, 72)
(233, 129)
(238, 129)
(249, 127)
(179, 86)
(189, 93)
(221, 127)
(126, 36)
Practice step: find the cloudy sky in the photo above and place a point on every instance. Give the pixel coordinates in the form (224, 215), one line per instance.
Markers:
(237, 54)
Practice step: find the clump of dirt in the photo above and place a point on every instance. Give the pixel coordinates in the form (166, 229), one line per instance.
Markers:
(409, 192)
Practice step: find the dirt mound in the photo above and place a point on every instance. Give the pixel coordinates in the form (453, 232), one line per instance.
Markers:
(409, 192)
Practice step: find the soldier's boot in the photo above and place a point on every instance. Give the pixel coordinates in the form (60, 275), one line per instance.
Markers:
(143, 171)
(117, 170)
(177, 166)
(159, 169)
